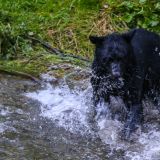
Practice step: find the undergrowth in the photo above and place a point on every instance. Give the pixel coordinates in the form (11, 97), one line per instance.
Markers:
(67, 24)
(135, 13)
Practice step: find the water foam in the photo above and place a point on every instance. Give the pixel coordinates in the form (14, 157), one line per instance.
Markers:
(65, 107)
(150, 147)
(146, 146)
(69, 109)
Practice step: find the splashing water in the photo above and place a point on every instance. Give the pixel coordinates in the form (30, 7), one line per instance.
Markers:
(150, 142)
(70, 109)
(66, 108)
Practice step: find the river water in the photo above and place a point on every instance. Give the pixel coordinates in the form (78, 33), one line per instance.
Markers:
(53, 121)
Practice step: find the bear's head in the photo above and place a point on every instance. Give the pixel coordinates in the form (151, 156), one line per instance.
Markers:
(112, 53)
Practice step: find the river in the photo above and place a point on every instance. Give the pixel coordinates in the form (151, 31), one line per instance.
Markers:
(53, 121)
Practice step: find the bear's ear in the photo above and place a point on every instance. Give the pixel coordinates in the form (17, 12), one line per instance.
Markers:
(129, 35)
(96, 40)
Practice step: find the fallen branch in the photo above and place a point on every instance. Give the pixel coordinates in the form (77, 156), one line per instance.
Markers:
(54, 50)
(21, 74)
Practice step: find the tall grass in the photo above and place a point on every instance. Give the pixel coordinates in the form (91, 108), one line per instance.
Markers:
(67, 24)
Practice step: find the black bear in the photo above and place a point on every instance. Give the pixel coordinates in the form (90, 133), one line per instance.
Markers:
(126, 65)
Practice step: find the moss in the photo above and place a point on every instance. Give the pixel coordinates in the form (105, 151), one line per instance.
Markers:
(34, 67)
(39, 63)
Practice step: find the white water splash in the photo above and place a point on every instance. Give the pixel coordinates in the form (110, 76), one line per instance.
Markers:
(146, 146)
(66, 108)
(150, 147)
(69, 109)
(4, 112)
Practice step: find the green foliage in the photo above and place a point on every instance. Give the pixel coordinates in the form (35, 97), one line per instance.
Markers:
(65, 24)
(12, 45)
(136, 13)
(7, 42)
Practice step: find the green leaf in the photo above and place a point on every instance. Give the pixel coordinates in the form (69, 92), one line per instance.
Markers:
(142, 1)
(157, 6)
(128, 17)
(154, 23)
(126, 4)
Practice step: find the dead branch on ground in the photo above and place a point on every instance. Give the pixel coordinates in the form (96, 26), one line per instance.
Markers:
(56, 51)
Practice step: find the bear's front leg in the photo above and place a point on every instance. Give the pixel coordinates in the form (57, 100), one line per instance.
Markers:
(135, 115)
(134, 119)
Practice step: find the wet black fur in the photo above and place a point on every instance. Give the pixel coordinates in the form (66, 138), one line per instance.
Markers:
(138, 53)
